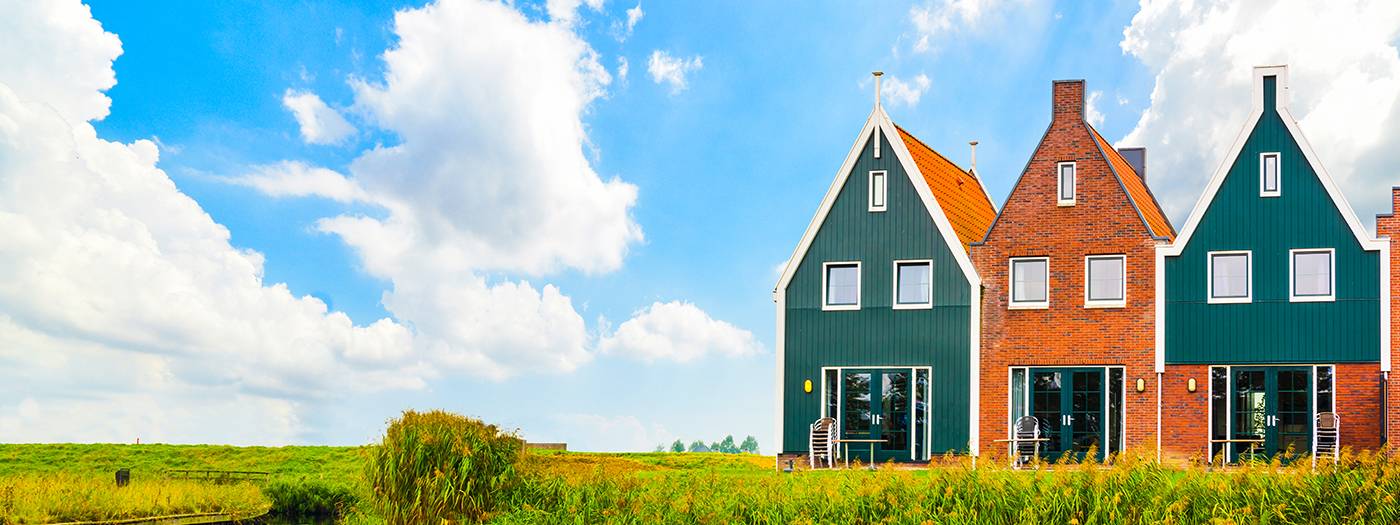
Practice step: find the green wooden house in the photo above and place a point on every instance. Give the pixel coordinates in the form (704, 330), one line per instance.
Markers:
(877, 309)
(1273, 302)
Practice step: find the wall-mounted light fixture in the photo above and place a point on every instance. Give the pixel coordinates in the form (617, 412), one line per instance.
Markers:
(1141, 384)
(807, 386)
(1191, 385)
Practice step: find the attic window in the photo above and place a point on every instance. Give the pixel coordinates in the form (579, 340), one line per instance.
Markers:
(878, 187)
(1268, 174)
(1064, 184)
(877, 143)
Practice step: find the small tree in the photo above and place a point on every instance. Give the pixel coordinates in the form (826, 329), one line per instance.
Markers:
(727, 446)
(660, 448)
(678, 446)
(749, 446)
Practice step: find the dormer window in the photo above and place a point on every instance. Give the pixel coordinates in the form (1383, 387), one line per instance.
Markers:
(1064, 186)
(878, 187)
(1268, 174)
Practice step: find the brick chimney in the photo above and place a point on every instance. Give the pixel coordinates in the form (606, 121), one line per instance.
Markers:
(1388, 225)
(1067, 100)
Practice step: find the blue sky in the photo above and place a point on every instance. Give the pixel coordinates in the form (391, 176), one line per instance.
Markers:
(728, 156)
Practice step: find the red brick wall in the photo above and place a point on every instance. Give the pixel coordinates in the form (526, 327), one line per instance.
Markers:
(1185, 414)
(1389, 226)
(1102, 221)
(1185, 423)
(1358, 404)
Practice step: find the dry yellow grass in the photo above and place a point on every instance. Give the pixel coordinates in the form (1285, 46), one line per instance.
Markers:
(65, 497)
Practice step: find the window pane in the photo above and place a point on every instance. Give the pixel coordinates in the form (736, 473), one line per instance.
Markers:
(1271, 173)
(1312, 273)
(1067, 182)
(1018, 394)
(1229, 275)
(877, 189)
(1028, 281)
(842, 284)
(1115, 410)
(1324, 389)
(1219, 390)
(1105, 279)
(914, 283)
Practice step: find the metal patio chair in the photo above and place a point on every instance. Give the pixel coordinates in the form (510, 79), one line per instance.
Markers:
(1025, 441)
(1327, 437)
(822, 442)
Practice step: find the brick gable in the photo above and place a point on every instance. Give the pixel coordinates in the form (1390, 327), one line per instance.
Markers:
(1103, 220)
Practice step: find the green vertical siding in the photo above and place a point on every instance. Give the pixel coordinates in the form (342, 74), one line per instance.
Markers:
(877, 335)
(1271, 329)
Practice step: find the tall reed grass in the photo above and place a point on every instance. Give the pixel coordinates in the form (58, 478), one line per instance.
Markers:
(1361, 490)
(435, 467)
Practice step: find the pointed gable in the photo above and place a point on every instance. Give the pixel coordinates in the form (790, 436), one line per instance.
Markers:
(1138, 193)
(959, 193)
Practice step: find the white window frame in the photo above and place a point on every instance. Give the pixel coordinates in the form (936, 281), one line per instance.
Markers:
(1011, 302)
(1331, 267)
(1123, 285)
(1107, 371)
(913, 373)
(1249, 282)
(884, 190)
(894, 297)
(1278, 174)
(859, 280)
(1073, 183)
(877, 142)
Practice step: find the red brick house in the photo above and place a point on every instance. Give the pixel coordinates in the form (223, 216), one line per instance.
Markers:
(1068, 294)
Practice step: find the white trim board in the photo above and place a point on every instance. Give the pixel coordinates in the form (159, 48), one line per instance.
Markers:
(1368, 243)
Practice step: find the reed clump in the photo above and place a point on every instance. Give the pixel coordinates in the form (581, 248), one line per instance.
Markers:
(439, 467)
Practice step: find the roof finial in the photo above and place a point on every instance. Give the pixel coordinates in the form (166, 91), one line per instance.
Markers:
(877, 74)
(973, 143)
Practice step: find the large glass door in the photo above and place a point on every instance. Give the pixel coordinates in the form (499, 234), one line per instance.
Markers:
(876, 405)
(1071, 405)
(1272, 406)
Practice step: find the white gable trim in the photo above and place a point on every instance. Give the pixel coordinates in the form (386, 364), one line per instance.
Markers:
(1367, 242)
(916, 178)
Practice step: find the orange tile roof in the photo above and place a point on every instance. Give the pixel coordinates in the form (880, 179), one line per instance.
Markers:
(1137, 189)
(958, 192)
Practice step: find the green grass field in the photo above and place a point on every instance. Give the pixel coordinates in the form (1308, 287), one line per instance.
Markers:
(38, 484)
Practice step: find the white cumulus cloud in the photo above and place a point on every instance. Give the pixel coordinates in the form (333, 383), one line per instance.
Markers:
(298, 179)
(1345, 82)
(677, 331)
(566, 11)
(938, 20)
(119, 294)
(319, 123)
(666, 69)
(1091, 109)
(896, 92)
